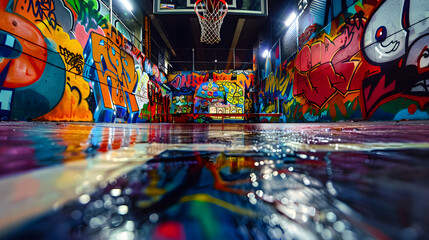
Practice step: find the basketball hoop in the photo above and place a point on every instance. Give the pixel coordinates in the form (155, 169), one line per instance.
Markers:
(210, 15)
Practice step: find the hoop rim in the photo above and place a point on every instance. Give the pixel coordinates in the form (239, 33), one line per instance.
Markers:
(202, 17)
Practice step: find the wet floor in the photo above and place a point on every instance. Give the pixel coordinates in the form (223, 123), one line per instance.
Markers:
(196, 181)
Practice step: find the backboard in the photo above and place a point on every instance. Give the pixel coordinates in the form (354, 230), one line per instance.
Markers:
(235, 7)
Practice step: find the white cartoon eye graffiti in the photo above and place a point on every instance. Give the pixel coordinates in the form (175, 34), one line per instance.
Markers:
(384, 38)
(381, 34)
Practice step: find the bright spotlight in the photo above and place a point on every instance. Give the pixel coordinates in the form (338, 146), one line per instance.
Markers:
(290, 19)
(265, 54)
(127, 5)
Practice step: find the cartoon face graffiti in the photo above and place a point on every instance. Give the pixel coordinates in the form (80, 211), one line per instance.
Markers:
(384, 39)
(418, 56)
(396, 39)
(394, 30)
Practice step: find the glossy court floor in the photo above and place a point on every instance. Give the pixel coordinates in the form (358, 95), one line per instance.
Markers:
(352, 180)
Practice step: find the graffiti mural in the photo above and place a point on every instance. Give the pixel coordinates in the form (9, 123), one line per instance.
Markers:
(24, 78)
(180, 80)
(208, 96)
(220, 97)
(400, 48)
(142, 92)
(187, 79)
(213, 92)
(113, 78)
(182, 104)
(61, 60)
(159, 102)
(362, 65)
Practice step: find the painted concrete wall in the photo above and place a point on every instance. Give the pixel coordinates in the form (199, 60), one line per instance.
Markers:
(60, 60)
(371, 62)
(219, 92)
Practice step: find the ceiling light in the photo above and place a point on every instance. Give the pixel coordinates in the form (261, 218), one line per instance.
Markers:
(290, 19)
(127, 5)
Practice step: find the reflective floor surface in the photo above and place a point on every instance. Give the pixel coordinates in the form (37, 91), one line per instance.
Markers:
(352, 180)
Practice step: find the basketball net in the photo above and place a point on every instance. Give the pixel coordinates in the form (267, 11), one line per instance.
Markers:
(210, 15)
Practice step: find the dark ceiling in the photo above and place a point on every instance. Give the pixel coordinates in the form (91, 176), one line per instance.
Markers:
(180, 33)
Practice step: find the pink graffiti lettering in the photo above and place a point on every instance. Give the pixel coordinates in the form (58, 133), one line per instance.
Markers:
(190, 80)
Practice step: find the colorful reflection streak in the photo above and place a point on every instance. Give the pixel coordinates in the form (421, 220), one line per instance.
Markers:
(332, 181)
(32, 146)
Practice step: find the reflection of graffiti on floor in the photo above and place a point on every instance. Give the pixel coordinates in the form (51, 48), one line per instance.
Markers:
(204, 181)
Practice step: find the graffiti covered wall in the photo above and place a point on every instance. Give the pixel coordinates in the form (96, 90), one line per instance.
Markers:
(371, 62)
(212, 92)
(60, 60)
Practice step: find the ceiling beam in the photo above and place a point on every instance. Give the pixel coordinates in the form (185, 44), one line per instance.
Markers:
(158, 26)
(238, 30)
(160, 29)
